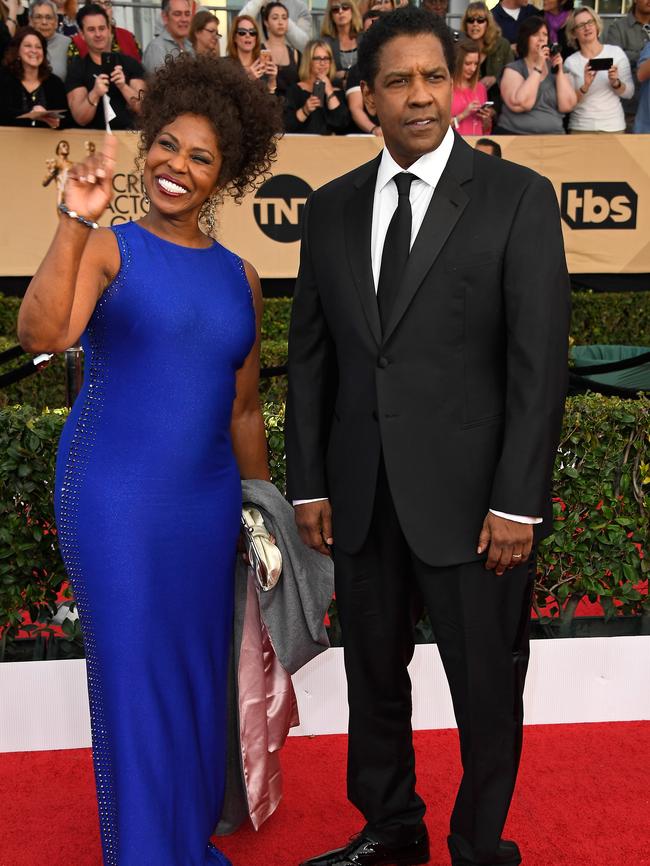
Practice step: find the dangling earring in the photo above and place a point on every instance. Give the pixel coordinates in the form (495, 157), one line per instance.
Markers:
(209, 214)
(145, 195)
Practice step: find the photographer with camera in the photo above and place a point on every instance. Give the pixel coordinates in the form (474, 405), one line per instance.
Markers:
(536, 92)
(105, 88)
(600, 73)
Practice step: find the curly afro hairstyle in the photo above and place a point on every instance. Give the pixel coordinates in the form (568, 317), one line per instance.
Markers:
(246, 118)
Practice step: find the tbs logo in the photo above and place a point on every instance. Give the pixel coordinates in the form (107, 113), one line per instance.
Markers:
(599, 205)
(278, 206)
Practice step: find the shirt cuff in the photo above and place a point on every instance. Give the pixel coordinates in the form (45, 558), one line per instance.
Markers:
(305, 501)
(518, 518)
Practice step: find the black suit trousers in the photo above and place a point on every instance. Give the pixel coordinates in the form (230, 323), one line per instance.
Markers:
(481, 626)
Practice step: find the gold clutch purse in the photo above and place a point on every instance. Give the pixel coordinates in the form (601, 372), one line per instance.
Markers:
(264, 556)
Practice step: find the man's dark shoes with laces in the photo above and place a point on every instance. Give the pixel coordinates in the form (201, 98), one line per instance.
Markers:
(364, 851)
(507, 853)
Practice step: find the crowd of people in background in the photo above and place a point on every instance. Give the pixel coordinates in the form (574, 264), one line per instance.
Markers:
(519, 70)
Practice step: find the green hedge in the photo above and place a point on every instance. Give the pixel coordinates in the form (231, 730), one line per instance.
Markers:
(598, 317)
(614, 318)
(602, 510)
(8, 315)
(275, 324)
(620, 318)
(46, 388)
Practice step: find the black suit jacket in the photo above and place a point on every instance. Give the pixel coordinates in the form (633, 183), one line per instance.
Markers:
(464, 392)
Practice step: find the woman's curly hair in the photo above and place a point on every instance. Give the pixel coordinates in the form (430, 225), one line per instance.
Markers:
(246, 118)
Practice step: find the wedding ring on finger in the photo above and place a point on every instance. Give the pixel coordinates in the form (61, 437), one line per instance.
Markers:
(517, 555)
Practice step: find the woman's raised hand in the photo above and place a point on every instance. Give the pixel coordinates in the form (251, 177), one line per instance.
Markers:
(590, 74)
(257, 69)
(88, 188)
(542, 56)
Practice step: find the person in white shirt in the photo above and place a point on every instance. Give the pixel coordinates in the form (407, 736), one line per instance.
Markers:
(599, 92)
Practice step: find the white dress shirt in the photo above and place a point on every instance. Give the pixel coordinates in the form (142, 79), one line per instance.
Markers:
(427, 169)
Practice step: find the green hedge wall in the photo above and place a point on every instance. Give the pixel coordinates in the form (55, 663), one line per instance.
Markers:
(602, 510)
(612, 318)
(46, 388)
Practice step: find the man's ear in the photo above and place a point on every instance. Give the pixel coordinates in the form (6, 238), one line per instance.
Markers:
(368, 97)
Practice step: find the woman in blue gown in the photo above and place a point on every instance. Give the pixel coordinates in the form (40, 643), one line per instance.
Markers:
(148, 495)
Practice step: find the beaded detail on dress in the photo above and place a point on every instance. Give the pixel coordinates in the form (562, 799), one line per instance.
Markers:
(80, 449)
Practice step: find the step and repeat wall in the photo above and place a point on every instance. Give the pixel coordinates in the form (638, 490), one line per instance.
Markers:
(602, 184)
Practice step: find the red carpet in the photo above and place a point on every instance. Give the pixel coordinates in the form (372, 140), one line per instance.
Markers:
(583, 799)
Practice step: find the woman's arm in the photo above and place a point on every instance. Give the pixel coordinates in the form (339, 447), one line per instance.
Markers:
(624, 74)
(337, 115)
(359, 116)
(567, 98)
(78, 265)
(519, 93)
(298, 106)
(247, 425)
(13, 11)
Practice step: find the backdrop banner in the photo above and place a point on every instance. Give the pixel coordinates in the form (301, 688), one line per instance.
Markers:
(602, 183)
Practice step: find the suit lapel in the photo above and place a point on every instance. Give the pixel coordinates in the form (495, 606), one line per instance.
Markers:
(447, 205)
(358, 226)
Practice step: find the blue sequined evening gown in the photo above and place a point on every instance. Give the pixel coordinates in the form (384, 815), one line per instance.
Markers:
(148, 503)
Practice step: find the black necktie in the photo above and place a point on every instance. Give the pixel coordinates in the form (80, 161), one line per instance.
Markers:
(396, 248)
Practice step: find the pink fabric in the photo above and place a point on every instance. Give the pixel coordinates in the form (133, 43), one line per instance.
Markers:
(461, 98)
(267, 710)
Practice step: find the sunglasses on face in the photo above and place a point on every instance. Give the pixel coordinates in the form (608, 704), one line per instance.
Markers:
(243, 31)
(318, 59)
(343, 7)
(476, 19)
(585, 24)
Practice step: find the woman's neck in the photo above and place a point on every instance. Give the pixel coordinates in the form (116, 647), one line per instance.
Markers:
(274, 41)
(245, 57)
(30, 75)
(183, 230)
(591, 49)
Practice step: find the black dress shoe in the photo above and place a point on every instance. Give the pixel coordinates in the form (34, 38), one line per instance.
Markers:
(363, 851)
(507, 854)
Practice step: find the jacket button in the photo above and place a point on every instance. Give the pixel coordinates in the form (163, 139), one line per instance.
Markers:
(383, 362)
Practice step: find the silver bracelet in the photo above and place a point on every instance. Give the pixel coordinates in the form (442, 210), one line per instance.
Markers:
(75, 216)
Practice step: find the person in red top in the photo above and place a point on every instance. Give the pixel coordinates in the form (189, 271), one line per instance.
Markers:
(124, 41)
(468, 112)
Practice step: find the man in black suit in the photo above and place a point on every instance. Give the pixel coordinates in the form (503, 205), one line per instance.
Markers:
(427, 374)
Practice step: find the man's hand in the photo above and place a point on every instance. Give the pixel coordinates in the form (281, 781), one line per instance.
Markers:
(509, 542)
(118, 77)
(314, 522)
(102, 83)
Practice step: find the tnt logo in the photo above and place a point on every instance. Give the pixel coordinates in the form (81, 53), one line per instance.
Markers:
(278, 206)
(599, 205)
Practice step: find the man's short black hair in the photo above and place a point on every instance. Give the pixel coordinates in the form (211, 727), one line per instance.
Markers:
(91, 9)
(489, 142)
(405, 21)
